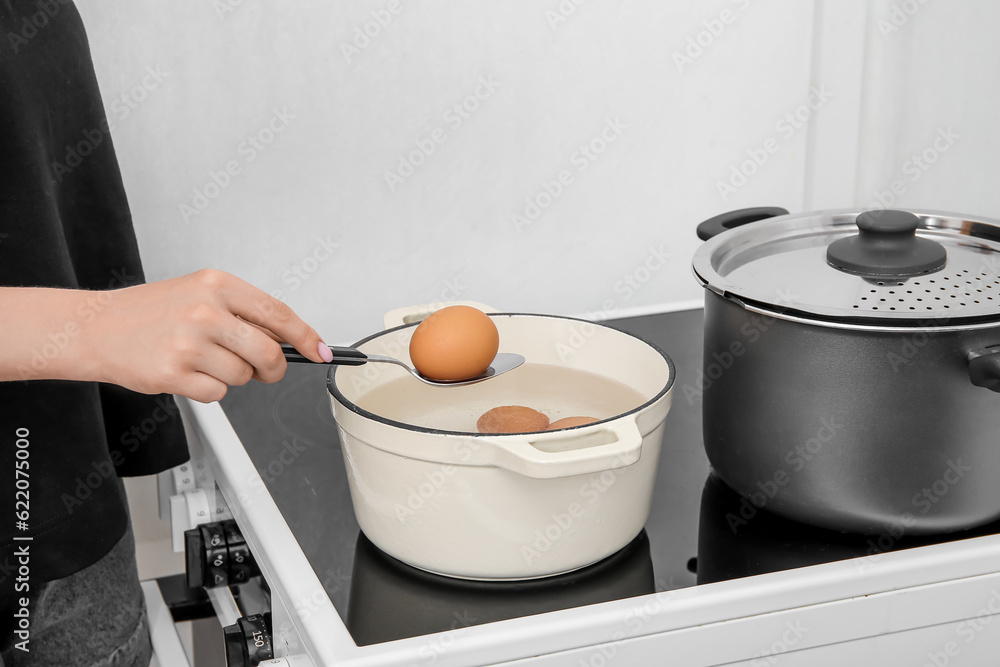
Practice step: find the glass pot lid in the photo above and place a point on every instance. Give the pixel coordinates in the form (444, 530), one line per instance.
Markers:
(882, 266)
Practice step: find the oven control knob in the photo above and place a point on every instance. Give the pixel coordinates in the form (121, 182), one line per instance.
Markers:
(217, 555)
(248, 642)
(241, 563)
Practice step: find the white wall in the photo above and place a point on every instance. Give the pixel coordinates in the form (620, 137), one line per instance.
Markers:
(446, 230)
(940, 70)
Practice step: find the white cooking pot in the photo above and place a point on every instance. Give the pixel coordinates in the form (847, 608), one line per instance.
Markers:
(441, 497)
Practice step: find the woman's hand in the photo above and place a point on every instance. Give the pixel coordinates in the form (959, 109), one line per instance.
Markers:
(193, 335)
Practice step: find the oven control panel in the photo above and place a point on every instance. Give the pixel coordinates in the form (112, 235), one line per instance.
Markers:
(219, 559)
(217, 555)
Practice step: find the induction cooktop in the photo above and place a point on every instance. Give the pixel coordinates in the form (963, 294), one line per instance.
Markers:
(699, 531)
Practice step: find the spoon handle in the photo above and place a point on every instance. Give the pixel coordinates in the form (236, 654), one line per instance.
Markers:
(342, 356)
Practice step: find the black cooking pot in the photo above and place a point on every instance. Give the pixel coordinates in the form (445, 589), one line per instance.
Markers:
(849, 362)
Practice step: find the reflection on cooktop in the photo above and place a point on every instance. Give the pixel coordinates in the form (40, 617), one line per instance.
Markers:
(737, 539)
(301, 400)
(391, 600)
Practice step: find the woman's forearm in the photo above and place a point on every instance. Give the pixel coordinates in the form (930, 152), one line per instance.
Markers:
(44, 332)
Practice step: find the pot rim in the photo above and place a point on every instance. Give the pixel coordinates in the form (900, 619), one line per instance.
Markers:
(334, 390)
(744, 238)
(801, 318)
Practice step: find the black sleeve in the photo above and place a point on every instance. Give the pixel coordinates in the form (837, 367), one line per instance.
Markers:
(64, 216)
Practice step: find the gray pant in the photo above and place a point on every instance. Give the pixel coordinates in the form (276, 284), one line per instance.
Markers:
(94, 618)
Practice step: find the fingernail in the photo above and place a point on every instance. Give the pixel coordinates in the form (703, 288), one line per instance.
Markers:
(325, 352)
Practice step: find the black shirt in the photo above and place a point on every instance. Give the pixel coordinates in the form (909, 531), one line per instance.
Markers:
(65, 222)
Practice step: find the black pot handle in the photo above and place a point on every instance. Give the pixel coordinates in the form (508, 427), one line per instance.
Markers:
(720, 223)
(342, 356)
(984, 368)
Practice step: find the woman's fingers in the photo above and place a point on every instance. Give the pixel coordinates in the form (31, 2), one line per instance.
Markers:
(260, 308)
(222, 364)
(267, 332)
(202, 388)
(261, 353)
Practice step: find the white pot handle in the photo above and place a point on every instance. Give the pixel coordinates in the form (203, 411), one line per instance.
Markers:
(617, 444)
(410, 314)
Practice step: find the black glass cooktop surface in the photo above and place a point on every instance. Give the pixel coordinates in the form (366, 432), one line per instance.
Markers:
(698, 531)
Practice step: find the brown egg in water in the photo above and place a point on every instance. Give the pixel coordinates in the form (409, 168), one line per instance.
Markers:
(454, 343)
(569, 422)
(512, 419)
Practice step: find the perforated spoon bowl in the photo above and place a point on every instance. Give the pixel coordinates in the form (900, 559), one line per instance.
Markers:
(350, 356)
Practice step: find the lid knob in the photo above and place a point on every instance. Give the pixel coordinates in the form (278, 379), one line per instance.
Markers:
(886, 245)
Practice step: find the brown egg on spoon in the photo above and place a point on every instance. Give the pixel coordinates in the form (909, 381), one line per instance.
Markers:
(455, 348)
(454, 343)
